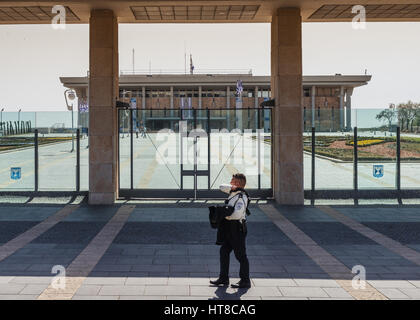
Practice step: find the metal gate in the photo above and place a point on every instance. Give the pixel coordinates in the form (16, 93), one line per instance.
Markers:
(187, 153)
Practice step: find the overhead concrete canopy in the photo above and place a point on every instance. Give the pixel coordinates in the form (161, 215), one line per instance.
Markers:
(210, 11)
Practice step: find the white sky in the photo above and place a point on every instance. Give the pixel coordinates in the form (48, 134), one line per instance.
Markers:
(32, 58)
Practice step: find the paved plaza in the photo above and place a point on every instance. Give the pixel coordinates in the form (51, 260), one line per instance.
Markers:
(166, 250)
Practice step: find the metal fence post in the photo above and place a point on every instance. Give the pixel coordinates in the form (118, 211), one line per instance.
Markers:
(208, 148)
(313, 167)
(259, 147)
(398, 176)
(36, 159)
(78, 159)
(355, 165)
(131, 150)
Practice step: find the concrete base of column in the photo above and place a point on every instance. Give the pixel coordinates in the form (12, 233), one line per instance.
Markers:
(101, 198)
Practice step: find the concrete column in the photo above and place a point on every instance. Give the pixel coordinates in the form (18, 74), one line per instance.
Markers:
(200, 103)
(313, 95)
(349, 92)
(103, 92)
(143, 101)
(341, 108)
(228, 106)
(286, 86)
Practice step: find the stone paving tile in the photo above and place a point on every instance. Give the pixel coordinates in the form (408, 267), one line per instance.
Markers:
(336, 298)
(92, 280)
(11, 229)
(188, 298)
(18, 297)
(327, 283)
(11, 288)
(168, 290)
(309, 292)
(415, 283)
(173, 261)
(209, 291)
(147, 268)
(27, 213)
(88, 290)
(6, 279)
(134, 261)
(190, 268)
(262, 291)
(412, 293)
(392, 293)
(146, 281)
(274, 282)
(391, 284)
(34, 289)
(191, 281)
(283, 298)
(144, 298)
(337, 293)
(109, 290)
(108, 297)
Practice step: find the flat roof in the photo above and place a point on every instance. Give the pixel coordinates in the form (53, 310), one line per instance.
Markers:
(210, 11)
(162, 80)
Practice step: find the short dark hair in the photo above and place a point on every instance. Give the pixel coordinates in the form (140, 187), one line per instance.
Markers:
(241, 177)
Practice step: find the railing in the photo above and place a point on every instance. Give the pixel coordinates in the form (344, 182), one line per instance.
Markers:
(366, 157)
(44, 155)
(186, 72)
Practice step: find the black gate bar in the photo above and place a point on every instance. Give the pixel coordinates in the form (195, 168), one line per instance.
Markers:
(36, 159)
(355, 164)
(78, 160)
(313, 166)
(131, 150)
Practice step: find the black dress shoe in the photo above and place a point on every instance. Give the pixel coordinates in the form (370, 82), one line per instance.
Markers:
(242, 284)
(219, 282)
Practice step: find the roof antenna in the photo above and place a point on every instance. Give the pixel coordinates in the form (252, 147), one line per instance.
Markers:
(365, 71)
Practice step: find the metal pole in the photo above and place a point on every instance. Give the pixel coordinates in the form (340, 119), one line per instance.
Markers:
(208, 149)
(118, 146)
(131, 150)
(78, 160)
(355, 165)
(36, 159)
(72, 129)
(313, 167)
(259, 147)
(398, 176)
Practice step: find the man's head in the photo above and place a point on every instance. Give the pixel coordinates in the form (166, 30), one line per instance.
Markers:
(238, 181)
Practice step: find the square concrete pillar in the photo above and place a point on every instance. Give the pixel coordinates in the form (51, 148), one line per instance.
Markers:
(286, 87)
(103, 91)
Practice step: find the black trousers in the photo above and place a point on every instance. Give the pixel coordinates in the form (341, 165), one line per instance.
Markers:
(234, 240)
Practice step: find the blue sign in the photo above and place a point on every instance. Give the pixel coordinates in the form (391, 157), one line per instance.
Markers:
(378, 170)
(15, 173)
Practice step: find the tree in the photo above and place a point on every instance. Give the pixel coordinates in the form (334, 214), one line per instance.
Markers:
(387, 115)
(411, 114)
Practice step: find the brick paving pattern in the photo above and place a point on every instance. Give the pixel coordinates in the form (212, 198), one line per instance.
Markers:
(156, 250)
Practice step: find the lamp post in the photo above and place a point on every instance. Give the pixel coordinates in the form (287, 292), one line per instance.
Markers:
(70, 95)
